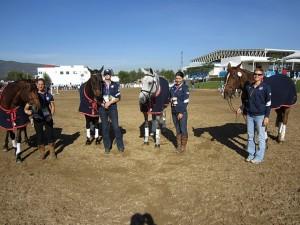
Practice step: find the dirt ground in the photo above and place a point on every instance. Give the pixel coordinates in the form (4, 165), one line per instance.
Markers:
(209, 184)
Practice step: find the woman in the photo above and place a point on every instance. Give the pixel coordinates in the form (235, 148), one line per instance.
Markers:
(43, 118)
(179, 101)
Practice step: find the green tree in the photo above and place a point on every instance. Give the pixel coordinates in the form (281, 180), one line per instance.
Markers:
(124, 77)
(16, 75)
(204, 68)
(168, 74)
(47, 79)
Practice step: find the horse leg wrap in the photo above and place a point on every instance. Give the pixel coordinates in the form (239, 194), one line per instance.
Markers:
(88, 133)
(96, 133)
(157, 138)
(14, 144)
(18, 153)
(146, 138)
(282, 134)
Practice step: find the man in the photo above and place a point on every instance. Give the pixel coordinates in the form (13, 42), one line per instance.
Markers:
(108, 110)
(256, 100)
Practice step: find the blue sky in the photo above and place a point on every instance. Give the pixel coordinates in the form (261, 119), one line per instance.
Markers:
(126, 35)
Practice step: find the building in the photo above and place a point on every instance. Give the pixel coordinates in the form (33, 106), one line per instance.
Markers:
(268, 59)
(67, 75)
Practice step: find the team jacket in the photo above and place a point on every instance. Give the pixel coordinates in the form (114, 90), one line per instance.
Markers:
(179, 98)
(111, 91)
(257, 101)
(44, 113)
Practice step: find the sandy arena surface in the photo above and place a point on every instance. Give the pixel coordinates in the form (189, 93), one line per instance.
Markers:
(209, 184)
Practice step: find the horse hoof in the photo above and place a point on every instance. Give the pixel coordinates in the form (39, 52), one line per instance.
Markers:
(5, 148)
(157, 146)
(97, 141)
(18, 159)
(146, 143)
(88, 142)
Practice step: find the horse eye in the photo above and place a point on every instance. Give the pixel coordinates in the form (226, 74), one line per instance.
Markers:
(150, 82)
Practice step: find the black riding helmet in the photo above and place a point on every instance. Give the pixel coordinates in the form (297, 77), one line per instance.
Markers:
(108, 72)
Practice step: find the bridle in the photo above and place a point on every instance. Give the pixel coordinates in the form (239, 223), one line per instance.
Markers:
(147, 93)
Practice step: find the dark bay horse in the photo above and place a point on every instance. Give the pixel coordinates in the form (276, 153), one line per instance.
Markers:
(90, 97)
(153, 99)
(12, 102)
(284, 94)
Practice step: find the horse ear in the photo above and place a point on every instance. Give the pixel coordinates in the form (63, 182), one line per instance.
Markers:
(238, 66)
(144, 71)
(100, 71)
(151, 71)
(228, 66)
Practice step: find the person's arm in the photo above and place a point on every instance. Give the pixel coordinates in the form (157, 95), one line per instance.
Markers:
(52, 107)
(27, 109)
(268, 106)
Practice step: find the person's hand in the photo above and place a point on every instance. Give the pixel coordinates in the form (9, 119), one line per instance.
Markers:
(179, 116)
(106, 105)
(239, 110)
(28, 112)
(266, 121)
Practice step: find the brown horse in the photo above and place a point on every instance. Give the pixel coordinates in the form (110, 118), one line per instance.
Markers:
(284, 93)
(12, 102)
(90, 97)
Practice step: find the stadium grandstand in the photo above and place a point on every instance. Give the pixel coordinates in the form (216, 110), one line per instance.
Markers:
(269, 59)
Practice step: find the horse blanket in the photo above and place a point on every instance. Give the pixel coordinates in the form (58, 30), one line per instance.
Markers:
(11, 119)
(283, 91)
(87, 105)
(160, 101)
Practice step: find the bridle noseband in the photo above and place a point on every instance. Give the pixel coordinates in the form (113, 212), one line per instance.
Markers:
(146, 93)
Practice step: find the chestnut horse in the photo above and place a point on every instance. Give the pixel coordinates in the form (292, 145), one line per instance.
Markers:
(284, 94)
(12, 102)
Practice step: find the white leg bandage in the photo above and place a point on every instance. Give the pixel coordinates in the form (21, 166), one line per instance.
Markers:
(18, 148)
(146, 134)
(96, 133)
(88, 133)
(13, 142)
(157, 136)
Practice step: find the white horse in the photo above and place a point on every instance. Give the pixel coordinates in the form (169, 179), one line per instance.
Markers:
(153, 98)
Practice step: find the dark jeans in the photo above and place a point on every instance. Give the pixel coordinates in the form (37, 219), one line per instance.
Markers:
(40, 133)
(180, 125)
(111, 113)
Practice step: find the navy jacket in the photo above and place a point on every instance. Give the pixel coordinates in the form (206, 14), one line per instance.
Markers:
(44, 113)
(257, 101)
(111, 91)
(179, 98)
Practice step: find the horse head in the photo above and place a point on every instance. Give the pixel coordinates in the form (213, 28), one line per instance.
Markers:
(236, 78)
(95, 82)
(150, 85)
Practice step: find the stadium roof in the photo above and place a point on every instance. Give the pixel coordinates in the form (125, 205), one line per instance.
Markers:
(217, 55)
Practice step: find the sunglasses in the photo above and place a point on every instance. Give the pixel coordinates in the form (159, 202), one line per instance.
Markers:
(258, 74)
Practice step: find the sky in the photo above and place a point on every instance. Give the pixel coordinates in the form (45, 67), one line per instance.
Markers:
(127, 35)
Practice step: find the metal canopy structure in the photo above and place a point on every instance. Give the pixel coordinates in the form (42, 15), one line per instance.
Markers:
(217, 55)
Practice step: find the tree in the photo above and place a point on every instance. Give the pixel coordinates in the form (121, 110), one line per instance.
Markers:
(47, 79)
(204, 68)
(16, 75)
(168, 74)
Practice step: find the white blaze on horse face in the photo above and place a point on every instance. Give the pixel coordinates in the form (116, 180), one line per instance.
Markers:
(239, 74)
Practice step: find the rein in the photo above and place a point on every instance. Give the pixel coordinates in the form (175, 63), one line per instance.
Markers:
(94, 105)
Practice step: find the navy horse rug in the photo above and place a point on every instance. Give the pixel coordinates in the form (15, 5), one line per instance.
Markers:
(159, 101)
(87, 105)
(283, 90)
(11, 119)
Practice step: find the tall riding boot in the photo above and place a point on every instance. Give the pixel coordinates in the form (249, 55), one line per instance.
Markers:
(42, 151)
(178, 138)
(52, 151)
(184, 139)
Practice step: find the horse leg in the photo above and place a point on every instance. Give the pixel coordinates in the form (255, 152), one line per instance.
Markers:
(12, 136)
(88, 130)
(146, 127)
(157, 132)
(25, 135)
(279, 123)
(96, 124)
(18, 151)
(285, 115)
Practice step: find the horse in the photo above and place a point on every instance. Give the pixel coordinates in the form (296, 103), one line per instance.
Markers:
(90, 96)
(153, 99)
(13, 98)
(284, 94)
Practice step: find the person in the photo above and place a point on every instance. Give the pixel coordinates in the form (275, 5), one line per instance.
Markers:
(108, 110)
(256, 99)
(179, 100)
(43, 118)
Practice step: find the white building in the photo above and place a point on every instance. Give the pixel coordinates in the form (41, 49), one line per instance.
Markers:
(67, 75)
